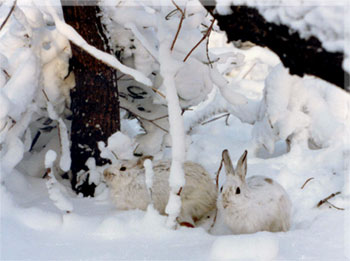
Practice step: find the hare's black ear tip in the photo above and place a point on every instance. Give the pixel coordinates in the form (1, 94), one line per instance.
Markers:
(245, 152)
(225, 151)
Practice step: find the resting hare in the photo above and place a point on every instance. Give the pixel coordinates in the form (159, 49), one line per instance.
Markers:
(254, 204)
(128, 189)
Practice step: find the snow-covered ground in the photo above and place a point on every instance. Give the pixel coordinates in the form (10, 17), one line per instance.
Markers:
(43, 219)
(33, 228)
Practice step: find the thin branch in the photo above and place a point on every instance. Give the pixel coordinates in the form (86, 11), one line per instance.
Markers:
(179, 192)
(180, 24)
(207, 52)
(45, 95)
(251, 68)
(218, 173)
(214, 220)
(8, 15)
(6, 73)
(158, 92)
(160, 118)
(216, 118)
(226, 120)
(327, 198)
(142, 118)
(309, 179)
(333, 206)
(217, 188)
(201, 40)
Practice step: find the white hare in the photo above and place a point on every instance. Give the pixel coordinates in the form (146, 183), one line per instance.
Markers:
(127, 183)
(252, 205)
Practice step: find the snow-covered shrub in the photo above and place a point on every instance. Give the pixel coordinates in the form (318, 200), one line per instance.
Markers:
(307, 112)
(139, 41)
(34, 89)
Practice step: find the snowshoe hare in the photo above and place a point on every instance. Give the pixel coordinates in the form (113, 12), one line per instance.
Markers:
(252, 205)
(127, 183)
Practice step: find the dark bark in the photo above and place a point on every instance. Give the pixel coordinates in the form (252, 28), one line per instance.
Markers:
(301, 56)
(95, 104)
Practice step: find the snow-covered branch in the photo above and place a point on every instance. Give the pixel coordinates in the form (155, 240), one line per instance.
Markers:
(69, 32)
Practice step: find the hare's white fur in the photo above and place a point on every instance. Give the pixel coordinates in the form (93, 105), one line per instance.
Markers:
(256, 204)
(129, 191)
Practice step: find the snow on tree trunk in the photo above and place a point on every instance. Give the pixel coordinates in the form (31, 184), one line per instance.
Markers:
(95, 104)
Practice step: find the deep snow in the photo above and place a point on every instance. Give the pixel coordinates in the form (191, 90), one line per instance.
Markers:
(36, 226)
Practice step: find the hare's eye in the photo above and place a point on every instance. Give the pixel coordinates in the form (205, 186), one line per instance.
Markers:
(122, 169)
(238, 190)
(221, 188)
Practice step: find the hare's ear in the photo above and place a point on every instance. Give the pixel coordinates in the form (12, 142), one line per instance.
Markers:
(142, 160)
(228, 163)
(241, 168)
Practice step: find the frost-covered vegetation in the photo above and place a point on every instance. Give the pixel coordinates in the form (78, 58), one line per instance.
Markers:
(297, 132)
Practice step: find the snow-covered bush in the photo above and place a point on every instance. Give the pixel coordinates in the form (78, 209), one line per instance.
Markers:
(306, 112)
(34, 89)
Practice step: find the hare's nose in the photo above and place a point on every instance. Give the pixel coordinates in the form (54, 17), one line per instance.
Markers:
(107, 174)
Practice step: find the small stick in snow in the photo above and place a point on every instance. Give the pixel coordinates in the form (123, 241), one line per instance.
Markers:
(46, 175)
(180, 24)
(45, 95)
(138, 117)
(217, 188)
(158, 92)
(201, 40)
(226, 120)
(309, 179)
(6, 73)
(8, 15)
(333, 206)
(251, 68)
(218, 173)
(179, 192)
(207, 52)
(325, 200)
(217, 118)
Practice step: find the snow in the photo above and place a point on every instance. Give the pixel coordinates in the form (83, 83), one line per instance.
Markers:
(260, 246)
(120, 146)
(149, 174)
(54, 188)
(43, 219)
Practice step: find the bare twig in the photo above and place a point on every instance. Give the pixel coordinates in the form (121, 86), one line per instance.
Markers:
(216, 118)
(327, 198)
(251, 68)
(180, 24)
(158, 92)
(207, 52)
(8, 15)
(214, 220)
(179, 192)
(333, 206)
(142, 118)
(201, 40)
(217, 188)
(160, 118)
(6, 73)
(45, 95)
(226, 120)
(309, 179)
(218, 173)
(121, 76)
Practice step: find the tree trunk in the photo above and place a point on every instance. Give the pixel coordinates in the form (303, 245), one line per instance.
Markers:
(301, 56)
(94, 100)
